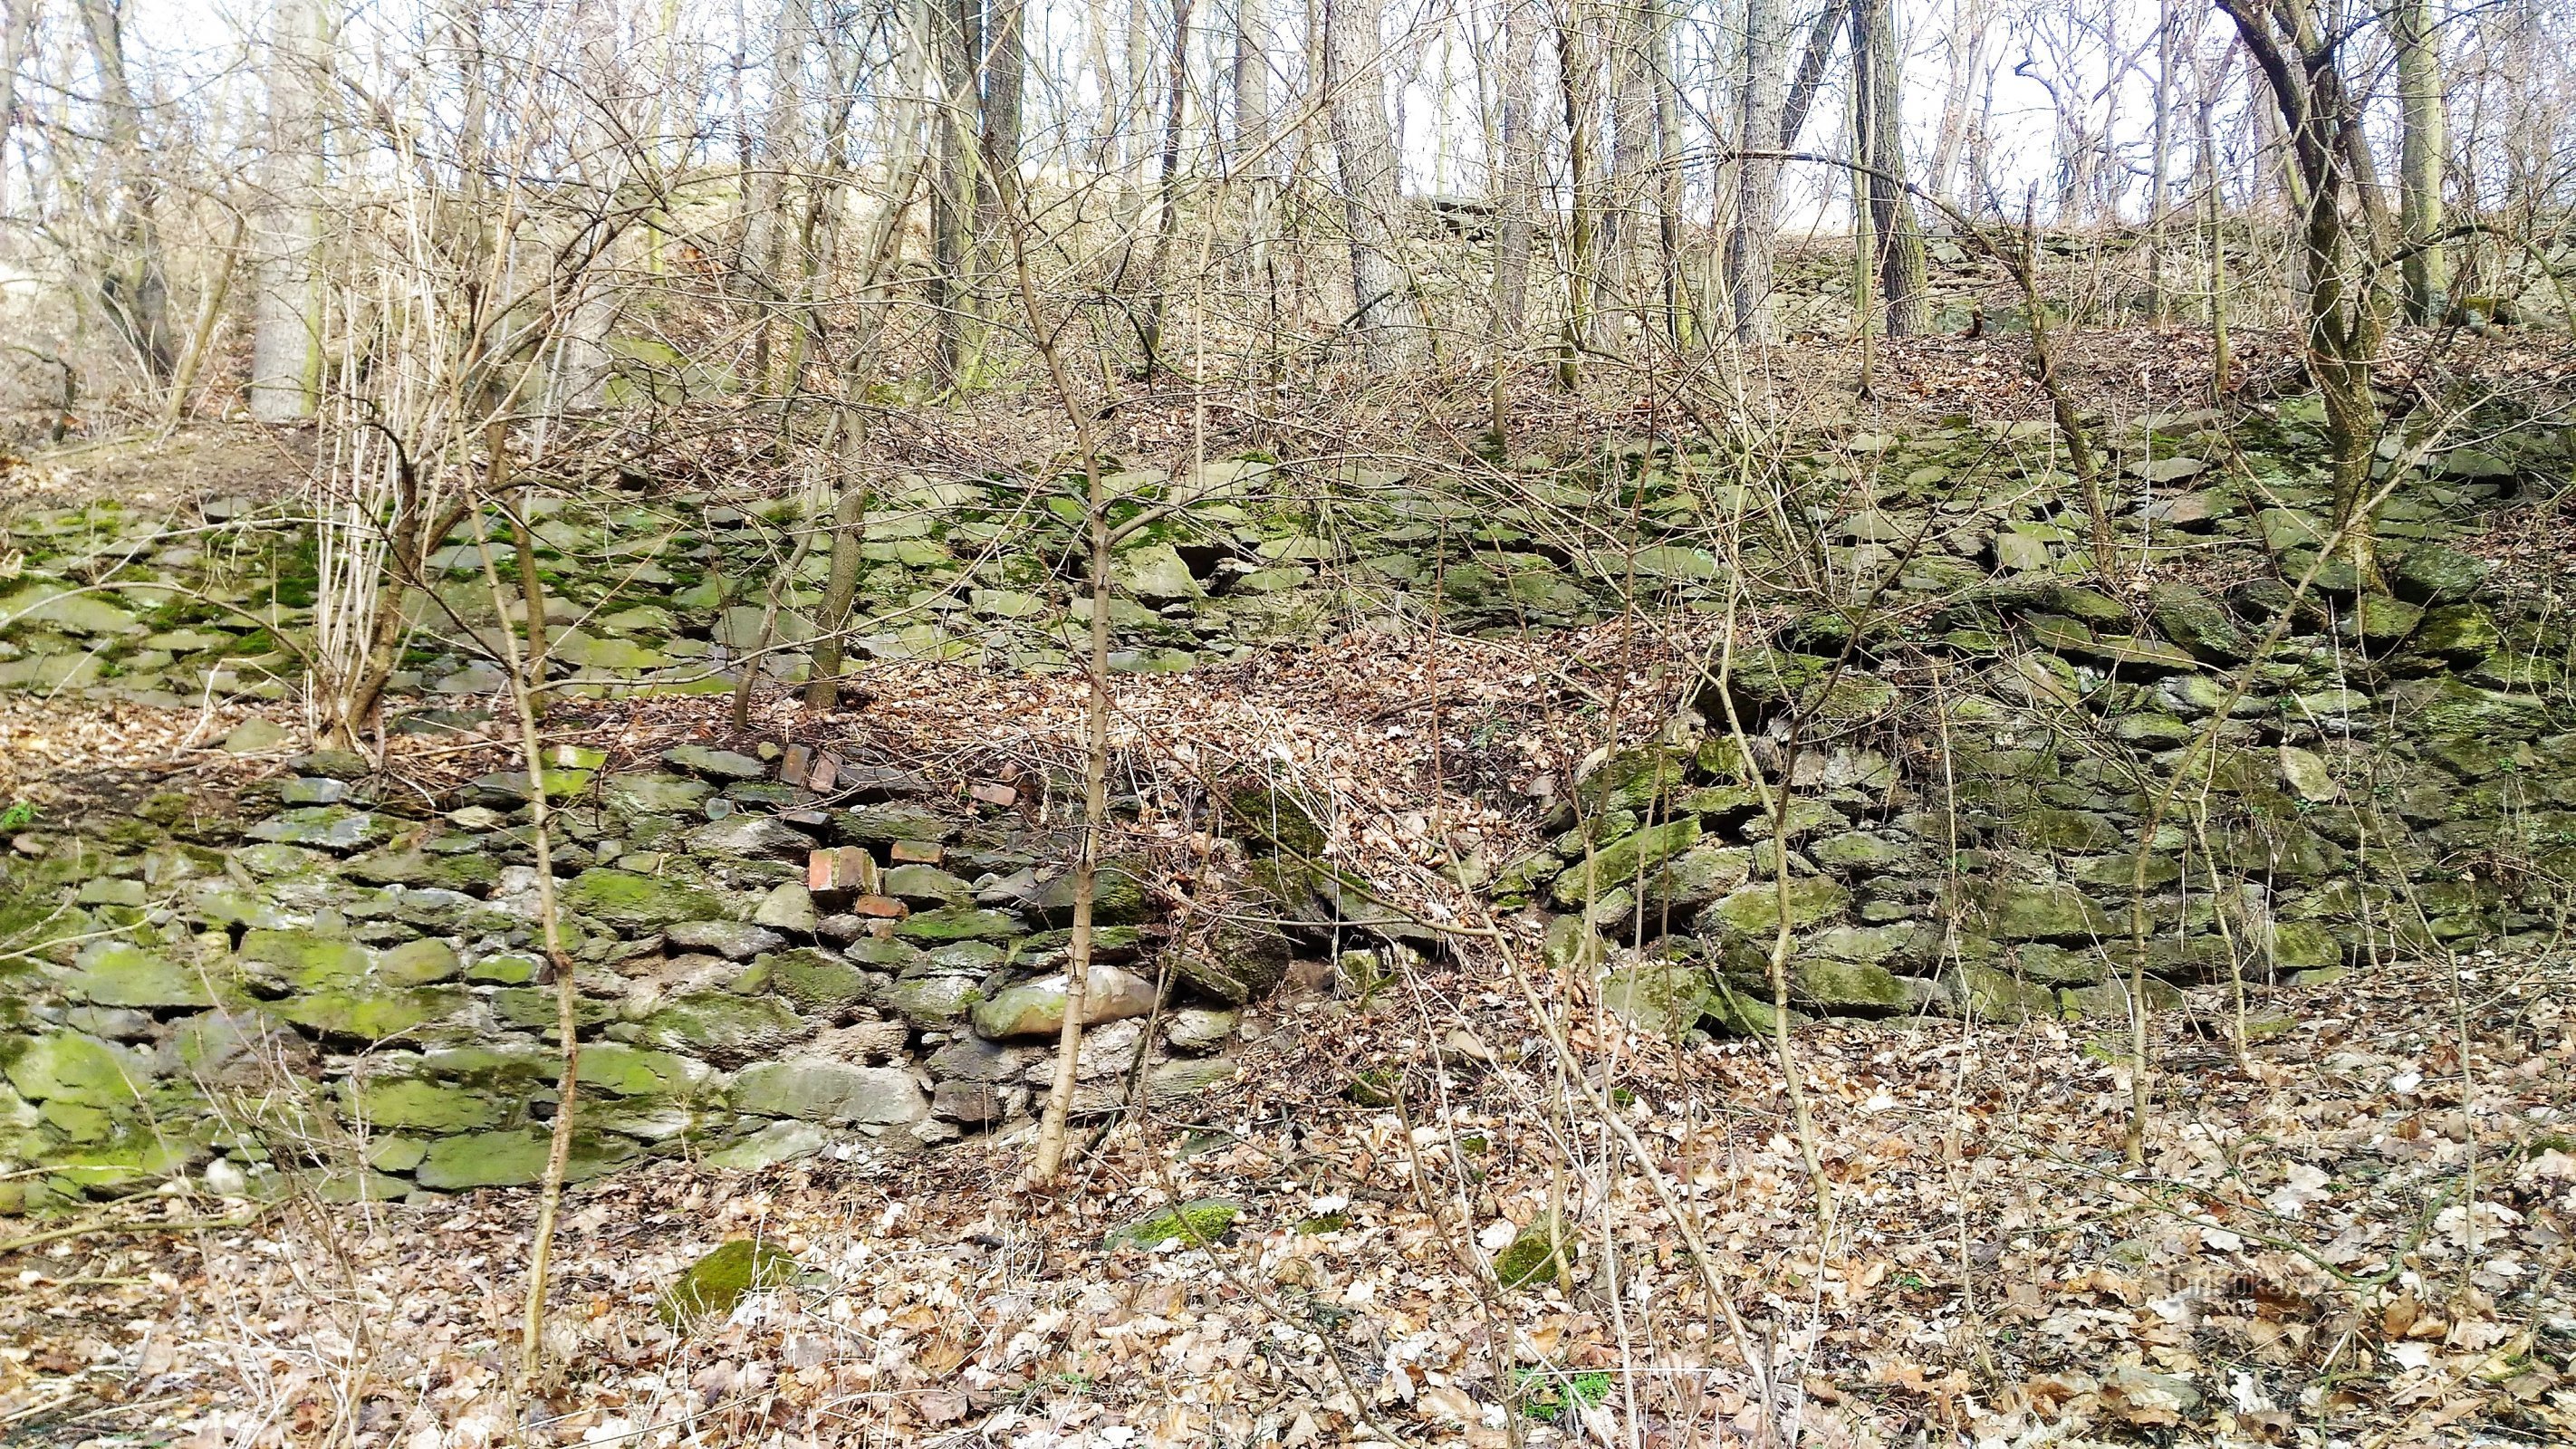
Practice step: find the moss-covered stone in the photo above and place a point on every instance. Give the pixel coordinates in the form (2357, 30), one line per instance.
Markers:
(1118, 895)
(2198, 623)
(71, 1066)
(1623, 861)
(118, 973)
(361, 1013)
(2433, 573)
(2459, 633)
(710, 1287)
(818, 983)
(959, 923)
(1753, 909)
(1665, 998)
(622, 1070)
(470, 872)
(723, 1028)
(1199, 1221)
(406, 1104)
(515, 1159)
(1846, 988)
(1541, 1254)
(2018, 912)
(2448, 706)
(625, 901)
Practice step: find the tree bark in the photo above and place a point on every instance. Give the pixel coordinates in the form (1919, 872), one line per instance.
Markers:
(2422, 145)
(1965, 47)
(1516, 179)
(17, 24)
(953, 195)
(1898, 234)
(286, 340)
(1006, 66)
(1633, 134)
(2301, 65)
(1761, 117)
(1383, 313)
(1575, 67)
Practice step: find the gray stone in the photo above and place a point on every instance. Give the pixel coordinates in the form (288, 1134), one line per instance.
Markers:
(751, 837)
(1153, 574)
(789, 907)
(2197, 622)
(116, 973)
(784, 1140)
(973, 1059)
(1200, 1029)
(733, 940)
(934, 1003)
(2433, 573)
(715, 764)
(925, 885)
(817, 1090)
(722, 1028)
(2307, 775)
(1037, 1008)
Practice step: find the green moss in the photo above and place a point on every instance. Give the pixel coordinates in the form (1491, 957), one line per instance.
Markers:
(1543, 1253)
(712, 1285)
(1197, 1222)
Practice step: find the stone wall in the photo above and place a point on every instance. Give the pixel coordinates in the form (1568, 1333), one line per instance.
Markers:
(360, 980)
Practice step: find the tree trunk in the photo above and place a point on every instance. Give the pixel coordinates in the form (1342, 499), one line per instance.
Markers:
(2160, 168)
(1516, 179)
(952, 196)
(132, 284)
(17, 25)
(1965, 48)
(1382, 310)
(2345, 325)
(1764, 107)
(2422, 146)
(1167, 209)
(1582, 274)
(761, 267)
(1256, 153)
(1632, 159)
(1811, 70)
(1006, 66)
(286, 327)
(1898, 234)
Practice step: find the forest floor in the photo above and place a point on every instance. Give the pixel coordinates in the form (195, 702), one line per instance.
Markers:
(2293, 1264)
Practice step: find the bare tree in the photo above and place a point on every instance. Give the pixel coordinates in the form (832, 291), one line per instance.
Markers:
(132, 282)
(2301, 63)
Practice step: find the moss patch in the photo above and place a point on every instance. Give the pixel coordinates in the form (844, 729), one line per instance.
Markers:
(715, 1283)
